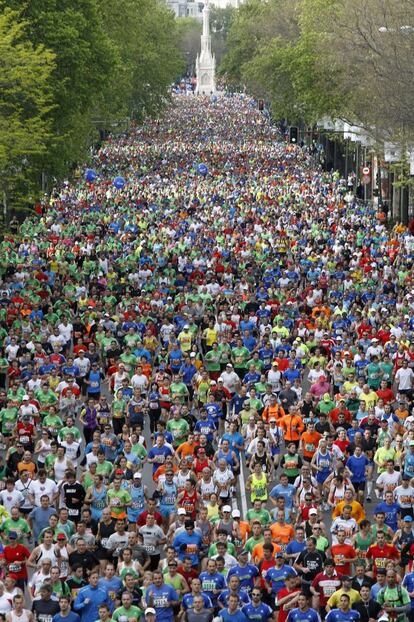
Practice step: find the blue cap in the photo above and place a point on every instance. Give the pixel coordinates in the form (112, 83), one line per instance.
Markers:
(408, 519)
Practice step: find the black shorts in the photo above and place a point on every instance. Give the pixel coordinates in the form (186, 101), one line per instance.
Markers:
(359, 486)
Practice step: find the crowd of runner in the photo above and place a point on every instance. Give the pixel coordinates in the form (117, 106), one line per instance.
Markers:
(206, 383)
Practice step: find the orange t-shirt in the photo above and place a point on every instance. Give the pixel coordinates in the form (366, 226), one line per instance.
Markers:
(258, 555)
(282, 533)
(310, 442)
(27, 466)
(186, 449)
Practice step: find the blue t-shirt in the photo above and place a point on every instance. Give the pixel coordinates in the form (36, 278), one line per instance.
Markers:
(287, 492)
(391, 513)
(188, 601)
(357, 467)
(295, 547)
(206, 427)
(160, 598)
(238, 616)
(277, 576)
(210, 582)
(224, 597)
(263, 612)
(71, 617)
(337, 615)
(160, 453)
(246, 574)
(188, 545)
(111, 587)
(310, 615)
(408, 583)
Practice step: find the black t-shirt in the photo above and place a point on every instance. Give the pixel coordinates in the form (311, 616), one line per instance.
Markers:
(74, 494)
(44, 610)
(313, 561)
(136, 596)
(75, 586)
(367, 611)
(87, 560)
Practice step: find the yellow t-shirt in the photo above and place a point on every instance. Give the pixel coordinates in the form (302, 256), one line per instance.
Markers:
(334, 600)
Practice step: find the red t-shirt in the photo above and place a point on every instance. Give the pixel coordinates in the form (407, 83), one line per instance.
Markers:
(380, 556)
(325, 586)
(264, 566)
(341, 552)
(16, 557)
(282, 615)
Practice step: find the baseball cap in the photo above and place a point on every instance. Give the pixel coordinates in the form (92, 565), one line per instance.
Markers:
(226, 508)
(236, 514)
(61, 536)
(408, 519)
(411, 443)
(181, 511)
(275, 364)
(137, 475)
(25, 397)
(119, 472)
(279, 554)
(313, 512)
(12, 535)
(192, 354)
(150, 610)
(326, 396)
(272, 419)
(229, 365)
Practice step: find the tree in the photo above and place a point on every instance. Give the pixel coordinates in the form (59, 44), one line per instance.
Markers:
(189, 32)
(26, 105)
(220, 24)
(146, 41)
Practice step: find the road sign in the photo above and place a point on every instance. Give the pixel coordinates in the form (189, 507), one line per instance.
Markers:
(366, 179)
(366, 171)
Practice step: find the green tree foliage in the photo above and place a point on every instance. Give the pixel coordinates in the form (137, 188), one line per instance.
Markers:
(220, 23)
(86, 63)
(189, 32)
(25, 108)
(145, 35)
(339, 58)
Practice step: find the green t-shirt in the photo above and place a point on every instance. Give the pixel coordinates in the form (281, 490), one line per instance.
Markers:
(179, 429)
(262, 515)
(240, 357)
(178, 389)
(132, 612)
(231, 549)
(251, 543)
(8, 419)
(20, 526)
(104, 468)
(396, 596)
(66, 429)
(212, 360)
(117, 500)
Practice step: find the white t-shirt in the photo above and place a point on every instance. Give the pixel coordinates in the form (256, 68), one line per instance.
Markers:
(388, 481)
(11, 499)
(404, 378)
(48, 488)
(404, 496)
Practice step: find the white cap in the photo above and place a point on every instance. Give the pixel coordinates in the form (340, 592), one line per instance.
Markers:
(25, 397)
(229, 365)
(181, 511)
(313, 512)
(150, 610)
(226, 508)
(137, 475)
(236, 514)
(192, 354)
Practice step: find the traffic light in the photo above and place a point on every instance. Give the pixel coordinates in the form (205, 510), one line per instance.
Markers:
(293, 135)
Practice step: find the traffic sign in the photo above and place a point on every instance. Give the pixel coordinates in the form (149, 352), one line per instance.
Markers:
(366, 179)
(366, 171)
